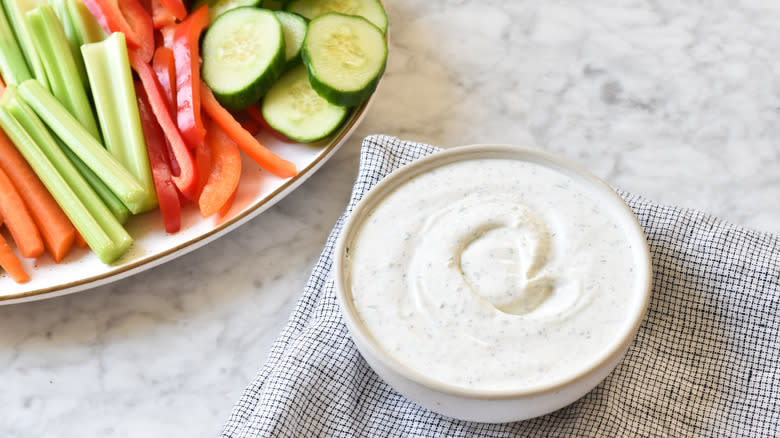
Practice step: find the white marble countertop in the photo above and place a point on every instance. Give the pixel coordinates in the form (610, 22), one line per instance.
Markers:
(666, 98)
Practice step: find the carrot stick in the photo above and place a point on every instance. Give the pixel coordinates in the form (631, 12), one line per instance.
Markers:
(2, 87)
(54, 226)
(224, 173)
(79, 241)
(11, 264)
(18, 219)
(259, 153)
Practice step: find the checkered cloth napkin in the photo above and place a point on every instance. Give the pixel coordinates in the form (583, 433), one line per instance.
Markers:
(706, 361)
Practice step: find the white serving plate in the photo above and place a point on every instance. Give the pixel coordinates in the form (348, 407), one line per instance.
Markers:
(257, 191)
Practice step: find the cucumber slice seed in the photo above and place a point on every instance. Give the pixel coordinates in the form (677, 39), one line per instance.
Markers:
(243, 54)
(371, 10)
(293, 108)
(294, 29)
(346, 56)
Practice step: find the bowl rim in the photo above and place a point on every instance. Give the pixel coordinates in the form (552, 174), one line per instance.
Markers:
(362, 336)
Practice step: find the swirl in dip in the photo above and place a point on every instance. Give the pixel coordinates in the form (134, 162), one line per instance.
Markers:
(494, 274)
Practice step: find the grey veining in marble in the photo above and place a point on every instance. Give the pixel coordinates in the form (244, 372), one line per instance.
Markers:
(675, 100)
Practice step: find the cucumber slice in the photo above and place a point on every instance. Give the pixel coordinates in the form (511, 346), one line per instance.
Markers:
(346, 56)
(243, 54)
(371, 10)
(293, 108)
(219, 7)
(294, 29)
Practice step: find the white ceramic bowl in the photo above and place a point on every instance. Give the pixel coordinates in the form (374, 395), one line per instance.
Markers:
(491, 406)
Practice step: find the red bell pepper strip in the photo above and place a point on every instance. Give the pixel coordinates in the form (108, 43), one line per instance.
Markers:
(186, 179)
(103, 17)
(185, 51)
(224, 173)
(175, 7)
(147, 4)
(226, 208)
(172, 159)
(2, 87)
(249, 144)
(257, 115)
(167, 194)
(247, 122)
(165, 69)
(203, 164)
(161, 16)
(167, 36)
(128, 17)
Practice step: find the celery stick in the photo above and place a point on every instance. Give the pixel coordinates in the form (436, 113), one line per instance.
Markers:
(87, 28)
(40, 134)
(109, 73)
(120, 212)
(17, 10)
(64, 79)
(61, 9)
(119, 237)
(66, 197)
(69, 130)
(13, 66)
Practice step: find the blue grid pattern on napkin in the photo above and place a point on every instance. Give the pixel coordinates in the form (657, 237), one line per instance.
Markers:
(706, 360)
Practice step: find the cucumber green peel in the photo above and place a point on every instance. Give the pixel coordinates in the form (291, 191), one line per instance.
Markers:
(111, 81)
(17, 10)
(219, 7)
(293, 108)
(243, 55)
(371, 10)
(346, 56)
(124, 185)
(13, 66)
(80, 204)
(294, 30)
(64, 80)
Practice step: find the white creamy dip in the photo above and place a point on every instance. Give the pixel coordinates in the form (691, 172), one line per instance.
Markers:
(493, 274)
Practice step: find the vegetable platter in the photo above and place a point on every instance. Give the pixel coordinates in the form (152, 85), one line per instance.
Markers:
(136, 131)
